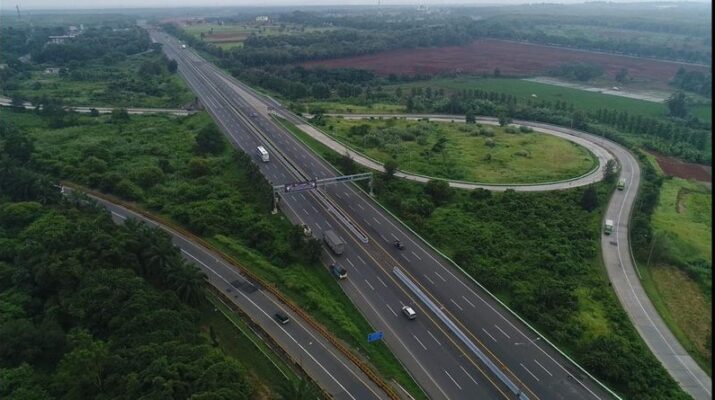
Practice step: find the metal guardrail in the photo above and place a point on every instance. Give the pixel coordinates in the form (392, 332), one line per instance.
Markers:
(337, 343)
(460, 334)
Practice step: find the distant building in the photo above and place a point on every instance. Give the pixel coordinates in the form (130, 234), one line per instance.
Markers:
(52, 71)
(59, 39)
(262, 18)
(422, 7)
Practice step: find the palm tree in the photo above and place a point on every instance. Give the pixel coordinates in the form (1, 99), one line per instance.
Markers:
(187, 282)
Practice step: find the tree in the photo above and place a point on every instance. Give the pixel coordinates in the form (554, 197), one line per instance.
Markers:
(187, 281)
(589, 199)
(578, 119)
(119, 116)
(172, 66)
(622, 75)
(439, 191)
(504, 120)
(320, 91)
(470, 117)
(17, 102)
(497, 72)
(93, 112)
(390, 167)
(209, 140)
(82, 370)
(677, 104)
(609, 173)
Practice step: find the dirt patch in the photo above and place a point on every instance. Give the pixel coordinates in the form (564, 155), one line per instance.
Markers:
(681, 169)
(516, 59)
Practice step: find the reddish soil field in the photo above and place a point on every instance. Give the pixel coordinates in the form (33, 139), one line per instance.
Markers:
(226, 37)
(483, 56)
(680, 169)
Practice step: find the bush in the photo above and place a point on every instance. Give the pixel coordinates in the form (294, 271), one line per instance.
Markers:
(525, 129)
(129, 190)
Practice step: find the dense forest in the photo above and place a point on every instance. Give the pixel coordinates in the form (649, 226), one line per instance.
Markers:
(91, 309)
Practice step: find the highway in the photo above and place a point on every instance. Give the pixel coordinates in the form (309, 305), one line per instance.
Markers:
(450, 359)
(338, 376)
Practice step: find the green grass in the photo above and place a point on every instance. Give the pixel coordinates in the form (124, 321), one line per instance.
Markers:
(682, 223)
(523, 90)
(267, 371)
(467, 155)
(343, 108)
(223, 206)
(116, 85)
(684, 214)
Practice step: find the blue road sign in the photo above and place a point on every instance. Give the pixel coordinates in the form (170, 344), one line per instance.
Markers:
(375, 336)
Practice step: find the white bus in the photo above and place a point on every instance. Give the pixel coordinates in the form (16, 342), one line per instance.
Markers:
(262, 153)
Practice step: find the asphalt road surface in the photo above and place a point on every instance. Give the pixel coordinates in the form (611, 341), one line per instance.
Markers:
(446, 364)
(337, 375)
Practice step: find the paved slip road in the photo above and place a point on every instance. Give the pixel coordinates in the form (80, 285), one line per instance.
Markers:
(326, 365)
(446, 364)
(595, 175)
(7, 102)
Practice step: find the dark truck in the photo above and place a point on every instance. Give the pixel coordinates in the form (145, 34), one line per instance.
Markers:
(335, 242)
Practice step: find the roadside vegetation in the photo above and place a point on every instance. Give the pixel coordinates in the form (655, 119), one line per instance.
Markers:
(539, 253)
(92, 309)
(183, 169)
(104, 65)
(469, 152)
(678, 264)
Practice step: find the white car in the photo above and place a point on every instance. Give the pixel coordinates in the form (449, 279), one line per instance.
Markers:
(409, 312)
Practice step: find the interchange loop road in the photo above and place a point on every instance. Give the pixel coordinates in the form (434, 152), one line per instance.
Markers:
(435, 358)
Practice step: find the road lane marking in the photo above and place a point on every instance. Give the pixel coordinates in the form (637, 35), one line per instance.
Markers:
(375, 219)
(391, 310)
(419, 341)
(393, 235)
(502, 331)
(361, 207)
(455, 382)
(428, 278)
(361, 260)
(346, 194)
(416, 256)
(381, 281)
(469, 302)
(302, 196)
(283, 329)
(305, 211)
(440, 276)
(489, 334)
(119, 215)
(455, 303)
(368, 283)
(405, 257)
(530, 373)
(350, 262)
(542, 367)
(469, 376)
(314, 209)
(433, 337)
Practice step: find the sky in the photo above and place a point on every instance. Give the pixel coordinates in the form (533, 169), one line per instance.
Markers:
(98, 4)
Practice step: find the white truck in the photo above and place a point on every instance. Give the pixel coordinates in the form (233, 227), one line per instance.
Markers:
(262, 153)
(608, 227)
(335, 242)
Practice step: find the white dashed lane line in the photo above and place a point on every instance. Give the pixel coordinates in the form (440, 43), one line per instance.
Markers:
(457, 305)
(502, 331)
(544, 368)
(489, 334)
(452, 379)
(530, 373)
(469, 302)
(428, 278)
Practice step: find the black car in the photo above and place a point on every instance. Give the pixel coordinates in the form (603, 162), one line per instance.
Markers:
(282, 318)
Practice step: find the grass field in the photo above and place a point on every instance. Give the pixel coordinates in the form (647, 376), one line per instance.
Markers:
(466, 152)
(683, 226)
(581, 99)
(117, 85)
(233, 35)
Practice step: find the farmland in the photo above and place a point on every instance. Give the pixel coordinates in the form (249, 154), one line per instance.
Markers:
(465, 152)
(511, 58)
(228, 35)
